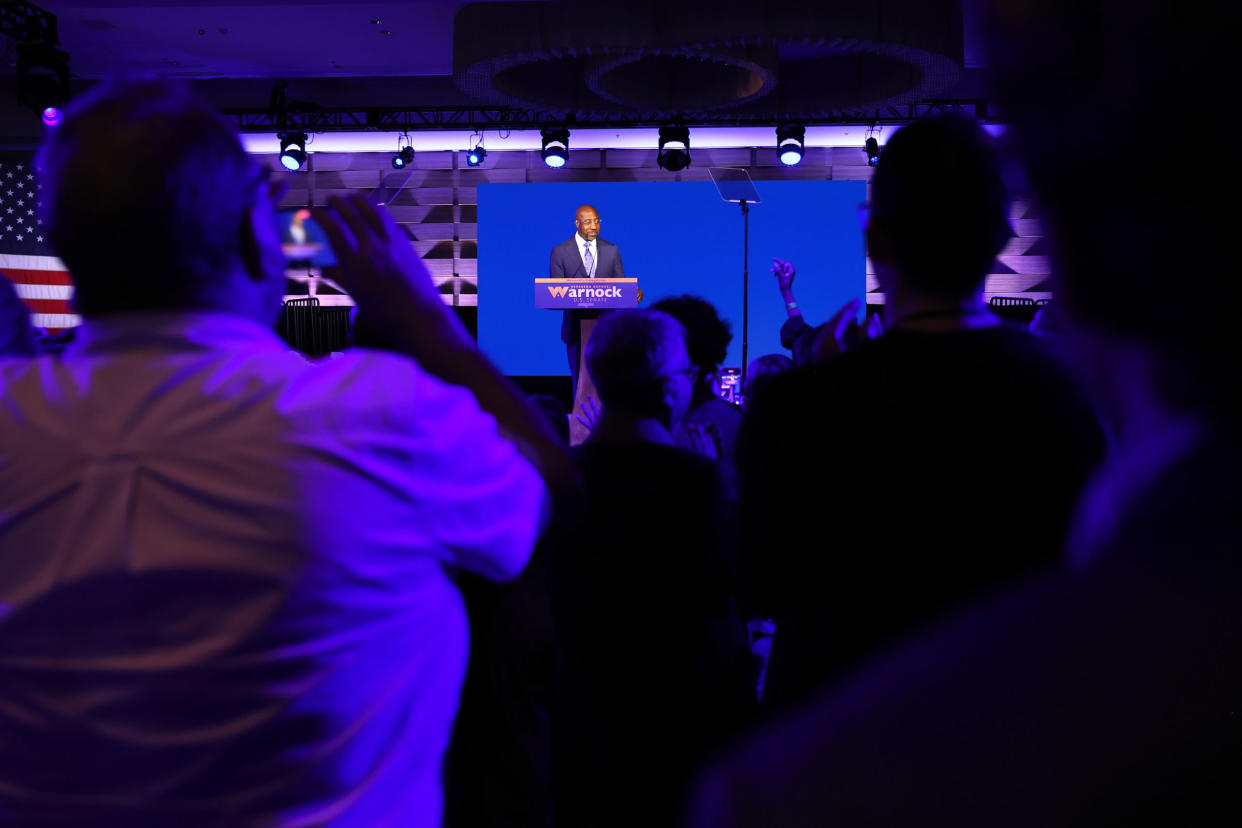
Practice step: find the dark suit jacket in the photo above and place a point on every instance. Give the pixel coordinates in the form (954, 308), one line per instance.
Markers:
(566, 263)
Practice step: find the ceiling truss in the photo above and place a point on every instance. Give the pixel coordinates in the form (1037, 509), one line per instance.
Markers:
(352, 119)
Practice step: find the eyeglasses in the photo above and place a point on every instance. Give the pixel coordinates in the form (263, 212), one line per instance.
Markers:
(690, 373)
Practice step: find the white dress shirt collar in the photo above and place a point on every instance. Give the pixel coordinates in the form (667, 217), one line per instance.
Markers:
(585, 243)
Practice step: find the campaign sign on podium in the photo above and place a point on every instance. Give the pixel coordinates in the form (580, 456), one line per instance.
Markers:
(586, 294)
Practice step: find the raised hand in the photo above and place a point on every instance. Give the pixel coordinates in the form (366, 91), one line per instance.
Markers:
(784, 273)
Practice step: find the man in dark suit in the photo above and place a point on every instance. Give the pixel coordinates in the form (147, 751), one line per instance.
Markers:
(584, 256)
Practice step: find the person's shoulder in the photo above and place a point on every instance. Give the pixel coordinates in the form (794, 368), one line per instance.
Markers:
(715, 409)
(399, 373)
(1036, 351)
(813, 399)
(1005, 346)
(802, 380)
(781, 390)
(375, 388)
(1011, 336)
(1025, 355)
(1004, 340)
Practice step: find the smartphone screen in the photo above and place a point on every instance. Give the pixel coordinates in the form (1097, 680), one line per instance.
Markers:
(302, 239)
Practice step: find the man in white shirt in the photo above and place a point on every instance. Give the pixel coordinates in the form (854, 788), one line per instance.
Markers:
(222, 586)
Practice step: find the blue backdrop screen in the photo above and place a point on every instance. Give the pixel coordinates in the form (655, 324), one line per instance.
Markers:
(675, 237)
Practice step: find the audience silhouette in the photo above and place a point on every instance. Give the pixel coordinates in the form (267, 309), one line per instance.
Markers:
(902, 447)
(1103, 693)
(998, 570)
(707, 339)
(653, 669)
(222, 567)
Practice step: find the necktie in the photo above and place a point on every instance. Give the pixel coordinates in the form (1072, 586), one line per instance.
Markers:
(588, 260)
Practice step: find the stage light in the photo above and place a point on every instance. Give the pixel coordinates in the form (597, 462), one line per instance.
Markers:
(790, 144)
(476, 154)
(404, 157)
(873, 151)
(674, 152)
(42, 79)
(555, 146)
(292, 150)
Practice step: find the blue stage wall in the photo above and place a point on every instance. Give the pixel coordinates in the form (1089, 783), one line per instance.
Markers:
(676, 237)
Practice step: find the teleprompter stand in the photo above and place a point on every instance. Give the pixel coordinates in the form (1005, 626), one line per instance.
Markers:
(736, 187)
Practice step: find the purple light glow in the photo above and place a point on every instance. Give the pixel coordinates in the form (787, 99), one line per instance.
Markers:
(52, 116)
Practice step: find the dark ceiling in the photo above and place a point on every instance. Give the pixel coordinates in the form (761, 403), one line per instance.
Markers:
(807, 60)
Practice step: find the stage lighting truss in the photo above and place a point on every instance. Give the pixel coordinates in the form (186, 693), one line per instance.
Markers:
(476, 154)
(555, 146)
(292, 150)
(405, 153)
(790, 144)
(674, 152)
(872, 148)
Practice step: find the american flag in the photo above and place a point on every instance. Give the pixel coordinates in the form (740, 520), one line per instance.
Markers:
(41, 279)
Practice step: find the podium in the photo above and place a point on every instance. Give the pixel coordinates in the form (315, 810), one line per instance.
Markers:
(585, 295)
